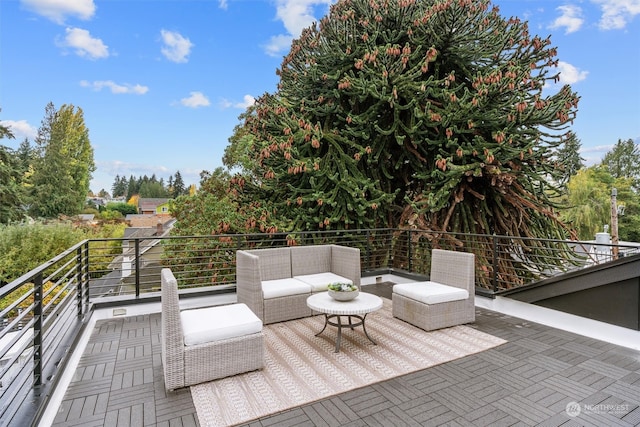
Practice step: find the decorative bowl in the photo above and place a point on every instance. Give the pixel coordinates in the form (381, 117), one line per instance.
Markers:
(343, 295)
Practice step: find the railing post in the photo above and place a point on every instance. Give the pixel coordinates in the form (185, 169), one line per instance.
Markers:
(494, 279)
(37, 330)
(79, 281)
(86, 278)
(137, 264)
(368, 251)
(409, 251)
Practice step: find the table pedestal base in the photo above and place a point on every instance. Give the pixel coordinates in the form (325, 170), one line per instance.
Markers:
(351, 325)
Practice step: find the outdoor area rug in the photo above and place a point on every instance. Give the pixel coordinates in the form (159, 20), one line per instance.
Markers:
(301, 368)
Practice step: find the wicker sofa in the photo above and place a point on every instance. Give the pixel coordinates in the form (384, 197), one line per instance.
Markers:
(447, 299)
(205, 344)
(275, 283)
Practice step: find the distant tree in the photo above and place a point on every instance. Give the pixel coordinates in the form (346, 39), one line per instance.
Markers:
(211, 210)
(623, 161)
(589, 204)
(124, 208)
(11, 190)
(64, 163)
(119, 187)
(103, 193)
(589, 197)
(134, 201)
(170, 185)
(133, 187)
(26, 155)
(629, 222)
(568, 158)
(152, 189)
(178, 186)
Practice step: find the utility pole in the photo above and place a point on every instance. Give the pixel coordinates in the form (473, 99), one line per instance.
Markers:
(614, 223)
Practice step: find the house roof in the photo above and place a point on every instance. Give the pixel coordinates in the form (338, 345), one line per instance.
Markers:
(151, 203)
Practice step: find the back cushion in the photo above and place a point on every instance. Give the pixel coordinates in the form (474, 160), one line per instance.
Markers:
(310, 259)
(274, 263)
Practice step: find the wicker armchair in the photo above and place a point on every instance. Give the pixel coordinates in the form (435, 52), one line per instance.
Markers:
(447, 299)
(234, 351)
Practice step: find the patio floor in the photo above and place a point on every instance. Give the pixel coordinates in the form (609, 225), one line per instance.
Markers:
(527, 381)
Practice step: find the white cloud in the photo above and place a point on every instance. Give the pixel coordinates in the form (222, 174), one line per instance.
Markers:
(246, 102)
(21, 129)
(278, 44)
(118, 167)
(570, 18)
(195, 100)
(569, 74)
(176, 47)
(58, 10)
(222, 4)
(295, 15)
(84, 44)
(616, 14)
(115, 87)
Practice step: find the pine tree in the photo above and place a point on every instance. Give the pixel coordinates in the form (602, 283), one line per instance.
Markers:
(64, 165)
(11, 193)
(178, 186)
(25, 155)
(568, 158)
(422, 114)
(390, 111)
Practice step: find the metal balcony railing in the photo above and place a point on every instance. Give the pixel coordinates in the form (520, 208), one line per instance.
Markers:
(44, 311)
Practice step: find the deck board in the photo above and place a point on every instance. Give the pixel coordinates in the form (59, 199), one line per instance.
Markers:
(527, 381)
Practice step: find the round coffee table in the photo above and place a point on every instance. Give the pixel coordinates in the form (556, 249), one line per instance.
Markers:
(357, 308)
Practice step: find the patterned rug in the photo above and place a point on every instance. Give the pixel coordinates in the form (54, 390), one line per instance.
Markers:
(301, 368)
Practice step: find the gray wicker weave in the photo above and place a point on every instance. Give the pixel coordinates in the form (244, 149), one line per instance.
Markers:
(187, 365)
(254, 266)
(449, 268)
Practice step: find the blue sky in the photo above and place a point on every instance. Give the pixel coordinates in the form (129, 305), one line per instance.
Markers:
(162, 82)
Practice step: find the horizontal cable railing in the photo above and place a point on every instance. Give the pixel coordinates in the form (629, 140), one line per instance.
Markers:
(42, 311)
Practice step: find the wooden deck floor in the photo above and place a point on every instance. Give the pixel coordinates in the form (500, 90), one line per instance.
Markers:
(527, 381)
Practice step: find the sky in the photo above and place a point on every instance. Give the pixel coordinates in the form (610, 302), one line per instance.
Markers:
(161, 83)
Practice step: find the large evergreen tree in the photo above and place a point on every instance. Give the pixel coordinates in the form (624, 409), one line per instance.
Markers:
(423, 113)
(11, 193)
(435, 115)
(64, 163)
(568, 158)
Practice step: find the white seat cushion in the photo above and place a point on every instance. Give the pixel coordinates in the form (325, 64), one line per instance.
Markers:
(283, 288)
(430, 292)
(209, 324)
(320, 281)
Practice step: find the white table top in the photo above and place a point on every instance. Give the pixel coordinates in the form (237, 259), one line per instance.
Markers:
(362, 304)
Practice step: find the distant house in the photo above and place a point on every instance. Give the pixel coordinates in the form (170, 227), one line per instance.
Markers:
(148, 249)
(97, 201)
(153, 206)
